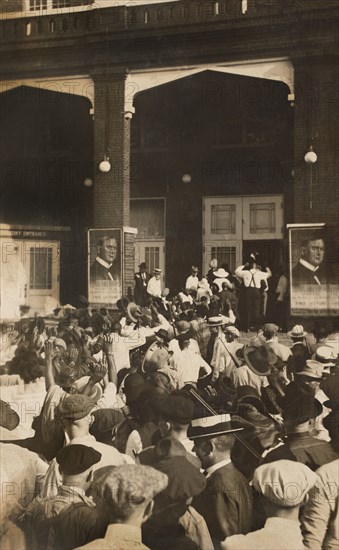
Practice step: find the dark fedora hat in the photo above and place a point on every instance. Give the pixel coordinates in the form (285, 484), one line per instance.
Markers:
(299, 405)
(143, 265)
(162, 333)
(261, 360)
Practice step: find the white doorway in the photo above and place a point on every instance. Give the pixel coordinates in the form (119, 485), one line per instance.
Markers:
(148, 216)
(229, 221)
(151, 252)
(42, 262)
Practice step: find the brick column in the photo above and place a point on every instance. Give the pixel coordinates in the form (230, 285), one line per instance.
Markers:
(316, 123)
(111, 200)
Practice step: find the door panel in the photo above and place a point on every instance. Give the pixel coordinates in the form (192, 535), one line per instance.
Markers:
(42, 260)
(151, 252)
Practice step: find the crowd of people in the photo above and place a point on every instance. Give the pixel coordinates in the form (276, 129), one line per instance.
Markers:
(162, 426)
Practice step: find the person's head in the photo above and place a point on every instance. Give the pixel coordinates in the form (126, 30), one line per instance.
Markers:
(76, 465)
(194, 270)
(175, 414)
(269, 331)
(128, 491)
(311, 375)
(313, 251)
(211, 450)
(157, 273)
(283, 486)
(116, 328)
(143, 267)
(28, 365)
(75, 414)
(213, 438)
(299, 406)
(107, 249)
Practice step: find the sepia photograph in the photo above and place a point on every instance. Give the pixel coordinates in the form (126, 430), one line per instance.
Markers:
(104, 266)
(169, 275)
(314, 272)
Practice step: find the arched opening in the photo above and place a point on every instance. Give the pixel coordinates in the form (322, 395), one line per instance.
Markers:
(232, 135)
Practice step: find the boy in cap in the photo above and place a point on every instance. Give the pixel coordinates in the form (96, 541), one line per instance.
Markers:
(75, 414)
(128, 493)
(270, 332)
(76, 467)
(226, 502)
(283, 487)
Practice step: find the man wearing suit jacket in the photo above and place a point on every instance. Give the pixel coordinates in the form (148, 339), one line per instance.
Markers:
(105, 267)
(140, 289)
(226, 502)
(311, 268)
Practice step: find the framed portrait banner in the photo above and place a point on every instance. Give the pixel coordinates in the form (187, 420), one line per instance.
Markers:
(314, 282)
(105, 274)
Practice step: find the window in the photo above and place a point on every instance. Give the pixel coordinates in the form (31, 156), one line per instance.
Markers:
(35, 5)
(148, 215)
(223, 219)
(60, 4)
(40, 273)
(262, 218)
(152, 257)
(225, 255)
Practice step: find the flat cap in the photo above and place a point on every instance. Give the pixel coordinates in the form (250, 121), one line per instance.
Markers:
(75, 459)
(129, 485)
(176, 408)
(76, 406)
(284, 482)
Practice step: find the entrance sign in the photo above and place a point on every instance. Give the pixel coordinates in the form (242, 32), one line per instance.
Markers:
(314, 279)
(104, 266)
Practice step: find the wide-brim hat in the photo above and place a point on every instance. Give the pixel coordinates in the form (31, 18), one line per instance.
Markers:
(326, 356)
(297, 332)
(231, 329)
(312, 369)
(218, 321)
(134, 311)
(221, 273)
(299, 405)
(249, 395)
(80, 385)
(155, 358)
(261, 360)
(213, 426)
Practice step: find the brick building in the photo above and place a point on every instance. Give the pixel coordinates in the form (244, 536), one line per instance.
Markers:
(205, 111)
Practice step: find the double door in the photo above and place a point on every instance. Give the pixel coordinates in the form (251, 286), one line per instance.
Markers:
(234, 225)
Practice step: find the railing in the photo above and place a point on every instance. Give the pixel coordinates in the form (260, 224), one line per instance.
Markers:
(171, 14)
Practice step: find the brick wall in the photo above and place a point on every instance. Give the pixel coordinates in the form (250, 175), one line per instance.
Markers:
(317, 123)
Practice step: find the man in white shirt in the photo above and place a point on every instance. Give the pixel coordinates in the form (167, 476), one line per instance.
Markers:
(192, 281)
(188, 363)
(254, 280)
(154, 284)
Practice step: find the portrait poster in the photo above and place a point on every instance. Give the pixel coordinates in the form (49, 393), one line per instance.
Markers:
(314, 288)
(105, 277)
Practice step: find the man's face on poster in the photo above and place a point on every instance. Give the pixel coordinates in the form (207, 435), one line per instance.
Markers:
(108, 250)
(314, 252)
